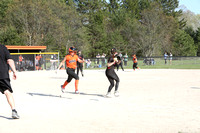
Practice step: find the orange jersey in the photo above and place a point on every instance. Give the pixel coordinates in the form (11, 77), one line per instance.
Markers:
(38, 57)
(20, 58)
(134, 60)
(71, 61)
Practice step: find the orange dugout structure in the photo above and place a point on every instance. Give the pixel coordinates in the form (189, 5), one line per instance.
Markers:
(33, 58)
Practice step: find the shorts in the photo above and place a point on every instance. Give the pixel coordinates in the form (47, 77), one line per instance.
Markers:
(5, 85)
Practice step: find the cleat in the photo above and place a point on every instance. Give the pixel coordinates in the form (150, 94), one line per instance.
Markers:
(15, 115)
(116, 93)
(62, 89)
(108, 95)
(77, 92)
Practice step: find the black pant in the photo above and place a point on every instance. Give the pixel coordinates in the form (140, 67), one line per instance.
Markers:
(111, 75)
(71, 74)
(125, 63)
(79, 67)
(120, 64)
(135, 65)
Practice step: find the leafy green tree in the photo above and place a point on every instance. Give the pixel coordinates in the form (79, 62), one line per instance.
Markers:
(4, 4)
(183, 44)
(9, 36)
(153, 34)
(197, 40)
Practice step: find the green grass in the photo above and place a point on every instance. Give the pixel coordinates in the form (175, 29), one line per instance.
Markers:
(176, 64)
(184, 63)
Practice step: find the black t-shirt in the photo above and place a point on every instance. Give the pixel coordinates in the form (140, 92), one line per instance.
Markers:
(81, 58)
(4, 67)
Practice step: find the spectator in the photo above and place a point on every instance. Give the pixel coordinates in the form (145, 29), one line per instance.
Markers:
(88, 62)
(103, 59)
(98, 57)
(170, 58)
(165, 57)
(125, 59)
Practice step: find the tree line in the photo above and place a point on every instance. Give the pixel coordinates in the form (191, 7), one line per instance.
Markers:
(144, 27)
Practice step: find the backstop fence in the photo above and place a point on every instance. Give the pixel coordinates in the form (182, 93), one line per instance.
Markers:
(36, 61)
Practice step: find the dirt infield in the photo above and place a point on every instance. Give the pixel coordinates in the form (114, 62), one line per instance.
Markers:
(151, 101)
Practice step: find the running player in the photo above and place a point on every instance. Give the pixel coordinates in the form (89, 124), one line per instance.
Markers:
(71, 63)
(135, 62)
(80, 65)
(110, 73)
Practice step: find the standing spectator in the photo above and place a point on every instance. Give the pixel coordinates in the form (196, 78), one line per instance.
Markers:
(88, 62)
(103, 59)
(54, 61)
(98, 57)
(125, 59)
(5, 87)
(165, 57)
(80, 66)
(170, 58)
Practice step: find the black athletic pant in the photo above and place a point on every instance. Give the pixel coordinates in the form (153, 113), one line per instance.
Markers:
(71, 74)
(135, 65)
(79, 67)
(120, 64)
(111, 75)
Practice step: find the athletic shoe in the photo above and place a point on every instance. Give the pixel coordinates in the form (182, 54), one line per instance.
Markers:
(82, 75)
(62, 89)
(77, 92)
(108, 95)
(116, 93)
(14, 114)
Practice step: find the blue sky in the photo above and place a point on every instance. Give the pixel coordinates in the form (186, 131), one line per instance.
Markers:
(192, 5)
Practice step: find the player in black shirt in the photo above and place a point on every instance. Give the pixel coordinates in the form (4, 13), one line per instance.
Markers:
(5, 87)
(80, 65)
(110, 72)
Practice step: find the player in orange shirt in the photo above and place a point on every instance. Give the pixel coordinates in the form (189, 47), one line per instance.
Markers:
(135, 62)
(71, 63)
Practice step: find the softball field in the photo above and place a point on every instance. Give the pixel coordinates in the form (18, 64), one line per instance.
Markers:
(151, 101)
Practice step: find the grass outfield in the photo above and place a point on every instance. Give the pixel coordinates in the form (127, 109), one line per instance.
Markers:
(176, 64)
(160, 64)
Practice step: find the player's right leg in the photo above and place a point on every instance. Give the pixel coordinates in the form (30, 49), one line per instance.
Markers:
(11, 102)
(111, 80)
(72, 73)
(67, 81)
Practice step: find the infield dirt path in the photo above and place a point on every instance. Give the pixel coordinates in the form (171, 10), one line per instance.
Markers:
(151, 101)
